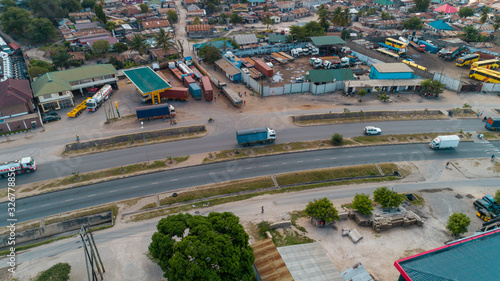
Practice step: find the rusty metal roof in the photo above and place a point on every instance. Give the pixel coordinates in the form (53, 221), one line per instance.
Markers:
(199, 27)
(269, 263)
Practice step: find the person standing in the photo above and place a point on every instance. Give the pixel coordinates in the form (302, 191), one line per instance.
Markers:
(77, 138)
(262, 209)
(447, 164)
(493, 158)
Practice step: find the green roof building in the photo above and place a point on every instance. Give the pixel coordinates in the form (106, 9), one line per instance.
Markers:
(54, 89)
(327, 41)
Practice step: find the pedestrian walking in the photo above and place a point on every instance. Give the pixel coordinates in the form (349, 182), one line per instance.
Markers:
(215, 98)
(171, 122)
(218, 94)
(262, 209)
(447, 164)
(245, 93)
(478, 114)
(492, 158)
(481, 114)
(228, 105)
(77, 138)
(244, 102)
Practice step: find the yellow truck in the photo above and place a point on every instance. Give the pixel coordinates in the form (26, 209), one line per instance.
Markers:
(78, 109)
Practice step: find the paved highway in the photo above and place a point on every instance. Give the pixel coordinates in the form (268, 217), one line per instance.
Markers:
(222, 136)
(86, 196)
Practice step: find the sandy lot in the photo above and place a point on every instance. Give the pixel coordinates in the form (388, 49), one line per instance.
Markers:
(123, 247)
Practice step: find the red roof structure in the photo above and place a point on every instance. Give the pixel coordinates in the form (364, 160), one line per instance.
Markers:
(14, 46)
(447, 9)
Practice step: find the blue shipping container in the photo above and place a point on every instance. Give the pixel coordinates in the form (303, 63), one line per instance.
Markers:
(251, 135)
(429, 47)
(195, 91)
(152, 111)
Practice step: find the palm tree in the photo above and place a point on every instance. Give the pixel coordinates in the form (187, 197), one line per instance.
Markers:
(163, 39)
(138, 43)
(470, 33)
(484, 16)
(323, 16)
(346, 17)
(268, 21)
(180, 46)
(196, 21)
(337, 16)
(61, 59)
(496, 25)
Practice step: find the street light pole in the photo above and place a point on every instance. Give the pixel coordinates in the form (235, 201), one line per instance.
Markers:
(144, 137)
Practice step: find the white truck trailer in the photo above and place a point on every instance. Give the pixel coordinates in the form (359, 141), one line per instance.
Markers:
(25, 165)
(445, 142)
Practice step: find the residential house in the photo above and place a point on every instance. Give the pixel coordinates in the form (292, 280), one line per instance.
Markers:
(154, 24)
(246, 39)
(200, 13)
(231, 71)
(163, 11)
(384, 3)
(81, 15)
(201, 31)
(190, 20)
(111, 40)
(130, 10)
(192, 7)
(254, 3)
(168, 4)
(358, 5)
(79, 56)
(438, 26)
(160, 54)
(308, 4)
(17, 111)
(112, 4)
(248, 18)
(285, 6)
(154, 4)
(239, 8)
(300, 13)
(86, 26)
(186, 3)
(286, 17)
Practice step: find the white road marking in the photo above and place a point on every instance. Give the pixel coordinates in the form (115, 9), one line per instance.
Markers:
(45, 205)
(154, 183)
(91, 195)
(333, 158)
(22, 210)
(284, 163)
(300, 161)
(69, 200)
(248, 168)
(317, 159)
(174, 179)
(350, 156)
(113, 190)
(265, 166)
(383, 154)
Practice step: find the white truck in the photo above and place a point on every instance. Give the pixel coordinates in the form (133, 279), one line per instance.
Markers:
(317, 63)
(25, 165)
(445, 142)
(103, 94)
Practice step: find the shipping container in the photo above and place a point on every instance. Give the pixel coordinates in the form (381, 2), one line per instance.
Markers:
(195, 91)
(155, 111)
(208, 91)
(187, 80)
(428, 47)
(264, 68)
(177, 73)
(175, 93)
(233, 97)
(197, 74)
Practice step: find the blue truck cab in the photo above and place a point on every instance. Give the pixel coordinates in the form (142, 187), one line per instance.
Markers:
(254, 136)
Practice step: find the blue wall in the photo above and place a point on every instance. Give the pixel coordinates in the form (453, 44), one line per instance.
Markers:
(374, 74)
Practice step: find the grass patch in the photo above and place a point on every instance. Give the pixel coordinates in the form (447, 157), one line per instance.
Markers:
(369, 119)
(419, 202)
(113, 208)
(14, 132)
(495, 168)
(148, 206)
(289, 237)
(346, 205)
(490, 135)
(296, 215)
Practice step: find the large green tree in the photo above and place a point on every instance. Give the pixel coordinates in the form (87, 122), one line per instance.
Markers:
(61, 59)
(110, 25)
(41, 30)
(50, 9)
(312, 28)
(485, 11)
(386, 15)
(209, 53)
(422, 5)
(362, 203)
(163, 39)
(322, 209)
(496, 23)
(458, 223)
(99, 13)
(70, 6)
(172, 17)
(88, 4)
(15, 20)
(267, 21)
(465, 12)
(413, 23)
(7, 4)
(387, 198)
(497, 196)
(139, 43)
(432, 86)
(100, 47)
(190, 247)
(235, 18)
(323, 16)
(120, 47)
(144, 8)
(196, 20)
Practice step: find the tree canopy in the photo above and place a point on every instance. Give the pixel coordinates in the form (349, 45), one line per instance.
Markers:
(139, 43)
(497, 196)
(144, 8)
(413, 23)
(99, 13)
(323, 16)
(172, 16)
(322, 209)
(458, 223)
(88, 3)
(311, 29)
(422, 5)
(163, 39)
(41, 30)
(387, 198)
(432, 86)
(362, 203)
(190, 247)
(209, 53)
(100, 47)
(61, 59)
(15, 20)
(465, 12)
(8, 3)
(235, 18)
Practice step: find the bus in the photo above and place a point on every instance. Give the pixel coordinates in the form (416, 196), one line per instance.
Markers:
(395, 43)
(467, 59)
(485, 75)
(489, 64)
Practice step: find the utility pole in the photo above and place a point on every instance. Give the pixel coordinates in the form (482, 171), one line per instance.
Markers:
(90, 252)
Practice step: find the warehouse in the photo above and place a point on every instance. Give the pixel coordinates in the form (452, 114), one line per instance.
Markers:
(231, 71)
(321, 76)
(398, 85)
(391, 71)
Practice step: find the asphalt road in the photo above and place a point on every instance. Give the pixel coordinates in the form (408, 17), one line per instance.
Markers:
(39, 206)
(222, 136)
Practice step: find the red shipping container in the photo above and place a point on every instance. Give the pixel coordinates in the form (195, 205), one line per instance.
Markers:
(207, 88)
(264, 68)
(175, 93)
(188, 80)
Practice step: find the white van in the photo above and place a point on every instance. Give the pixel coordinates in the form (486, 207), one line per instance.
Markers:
(370, 130)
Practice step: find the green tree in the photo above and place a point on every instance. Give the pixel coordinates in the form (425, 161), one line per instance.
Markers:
(99, 13)
(196, 20)
(100, 47)
(88, 4)
(7, 4)
(265, 8)
(209, 53)
(74, 63)
(458, 223)
(110, 25)
(268, 21)
(180, 47)
(496, 23)
(387, 198)
(144, 8)
(337, 139)
(214, 248)
(58, 272)
(41, 30)
(361, 93)
(413, 23)
(172, 17)
(138, 43)
(49, 9)
(118, 64)
(471, 34)
(61, 59)
(432, 86)
(323, 17)
(163, 39)
(70, 6)
(484, 15)
(234, 44)
(35, 71)
(235, 18)
(345, 34)
(322, 209)
(386, 16)
(497, 196)
(465, 12)
(422, 5)
(120, 47)
(362, 203)
(15, 20)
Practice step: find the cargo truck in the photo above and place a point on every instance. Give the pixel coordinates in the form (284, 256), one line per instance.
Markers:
(428, 46)
(264, 68)
(187, 80)
(208, 91)
(158, 111)
(175, 93)
(102, 95)
(177, 73)
(233, 97)
(25, 165)
(78, 109)
(195, 91)
(492, 124)
(445, 142)
(255, 136)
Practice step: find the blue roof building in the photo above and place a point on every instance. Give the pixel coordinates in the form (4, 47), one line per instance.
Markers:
(440, 25)
(393, 71)
(474, 258)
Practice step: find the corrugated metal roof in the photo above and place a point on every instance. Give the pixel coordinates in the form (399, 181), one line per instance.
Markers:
(356, 273)
(329, 75)
(268, 262)
(391, 67)
(327, 40)
(227, 67)
(199, 27)
(246, 39)
(277, 38)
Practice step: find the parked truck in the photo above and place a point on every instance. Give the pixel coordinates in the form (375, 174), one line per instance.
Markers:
(208, 91)
(25, 165)
(185, 69)
(264, 68)
(195, 91)
(158, 111)
(487, 208)
(450, 53)
(492, 124)
(177, 73)
(175, 93)
(187, 80)
(78, 109)
(417, 47)
(233, 97)
(445, 142)
(102, 95)
(255, 136)
(428, 46)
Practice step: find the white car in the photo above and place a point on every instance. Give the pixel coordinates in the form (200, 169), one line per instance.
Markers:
(370, 130)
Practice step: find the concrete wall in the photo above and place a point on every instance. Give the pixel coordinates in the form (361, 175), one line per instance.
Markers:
(450, 83)
(364, 113)
(19, 123)
(265, 50)
(491, 87)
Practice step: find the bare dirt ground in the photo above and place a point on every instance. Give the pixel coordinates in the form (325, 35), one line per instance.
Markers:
(123, 247)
